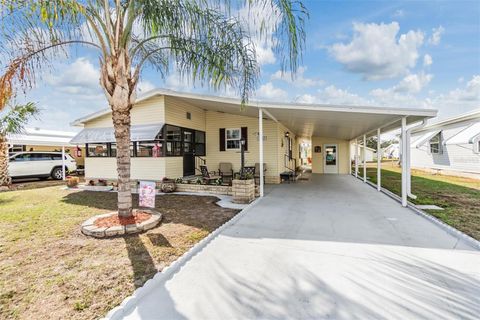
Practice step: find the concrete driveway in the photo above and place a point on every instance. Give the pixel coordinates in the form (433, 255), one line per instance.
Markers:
(328, 248)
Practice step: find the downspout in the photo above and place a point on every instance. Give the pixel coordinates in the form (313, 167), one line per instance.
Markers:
(408, 149)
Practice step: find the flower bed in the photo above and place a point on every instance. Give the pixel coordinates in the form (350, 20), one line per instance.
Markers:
(110, 225)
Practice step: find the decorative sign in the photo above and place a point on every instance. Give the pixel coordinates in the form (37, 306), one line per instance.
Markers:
(146, 194)
(317, 149)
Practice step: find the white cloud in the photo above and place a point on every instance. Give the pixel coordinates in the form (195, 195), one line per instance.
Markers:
(436, 35)
(403, 93)
(255, 17)
(176, 81)
(81, 76)
(413, 83)
(377, 53)
(471, 92)
(461, 80)
(459, 100)
(306, 98)
(334, 95)
(299, 79)
(264, 53)
(270, 92)
(427, 60)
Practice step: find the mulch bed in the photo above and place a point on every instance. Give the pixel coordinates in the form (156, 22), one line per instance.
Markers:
(115, 220)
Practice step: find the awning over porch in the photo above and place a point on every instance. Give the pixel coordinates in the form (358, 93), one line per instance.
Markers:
(137, 133)
(425, 137)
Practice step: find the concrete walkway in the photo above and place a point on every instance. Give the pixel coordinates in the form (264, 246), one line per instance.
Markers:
(328, 248)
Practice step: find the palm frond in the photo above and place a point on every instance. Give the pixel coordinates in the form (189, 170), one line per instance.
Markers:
(17, 116)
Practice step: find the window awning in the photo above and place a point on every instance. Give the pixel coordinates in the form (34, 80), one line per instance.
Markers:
(466, 136)
(146, 132)
(424, 138)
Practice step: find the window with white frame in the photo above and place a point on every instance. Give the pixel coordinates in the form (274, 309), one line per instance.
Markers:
(436, 144)
(232, 139)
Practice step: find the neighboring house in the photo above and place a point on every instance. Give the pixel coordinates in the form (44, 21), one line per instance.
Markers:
(370, 154)
(451, 146)
(392, 151)
(173, 132)
(36, 139)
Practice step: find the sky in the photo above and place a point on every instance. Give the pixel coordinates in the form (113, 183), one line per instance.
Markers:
(412, 54)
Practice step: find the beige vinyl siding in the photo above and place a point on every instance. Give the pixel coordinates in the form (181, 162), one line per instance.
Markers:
(282, 148)
(174, 167)
(176, 114)
(217, 120)
(342, 154)
(145, 112)
(141, 168)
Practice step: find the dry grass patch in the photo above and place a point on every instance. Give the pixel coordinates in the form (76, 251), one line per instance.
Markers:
(49, 270)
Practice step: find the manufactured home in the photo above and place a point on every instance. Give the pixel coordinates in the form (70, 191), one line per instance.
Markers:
(451, 146)
(173, 133)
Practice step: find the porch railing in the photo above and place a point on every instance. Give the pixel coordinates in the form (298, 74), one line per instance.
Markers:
(199, 161)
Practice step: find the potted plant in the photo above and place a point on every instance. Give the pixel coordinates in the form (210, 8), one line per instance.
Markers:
(72, 182)
(168, 185)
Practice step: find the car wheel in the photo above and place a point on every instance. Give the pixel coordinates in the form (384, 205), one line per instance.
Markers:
(57, 174)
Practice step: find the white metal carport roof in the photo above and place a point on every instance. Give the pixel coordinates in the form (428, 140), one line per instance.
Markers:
(41, 137)
(334, 121)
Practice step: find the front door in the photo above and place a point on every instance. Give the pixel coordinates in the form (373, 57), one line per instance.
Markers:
(330, 158)
(188, 153)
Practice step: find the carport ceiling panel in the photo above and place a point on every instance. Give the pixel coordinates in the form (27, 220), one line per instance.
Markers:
(340, 125)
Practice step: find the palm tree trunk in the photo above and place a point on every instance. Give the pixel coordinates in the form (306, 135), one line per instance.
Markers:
(5, 179)
(121, 124)
(116, 79)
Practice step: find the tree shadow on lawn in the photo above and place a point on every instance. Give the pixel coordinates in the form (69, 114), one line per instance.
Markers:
(196, 211)
(142, 262)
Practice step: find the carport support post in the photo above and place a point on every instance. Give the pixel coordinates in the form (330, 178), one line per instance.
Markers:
(364, 158)
(404, 161)
(63, 162)
(356, 158)
(379, 162)
(260, 144)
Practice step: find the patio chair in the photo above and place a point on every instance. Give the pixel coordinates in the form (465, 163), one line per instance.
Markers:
(257, 172)
(225, 170)
(248, 170)
(208, 176)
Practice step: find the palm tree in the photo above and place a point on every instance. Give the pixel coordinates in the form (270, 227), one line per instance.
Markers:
(206, 40)
(13, 121)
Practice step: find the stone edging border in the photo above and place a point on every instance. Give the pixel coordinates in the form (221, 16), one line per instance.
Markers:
(447, 228)
(174, 267)
(89, 228)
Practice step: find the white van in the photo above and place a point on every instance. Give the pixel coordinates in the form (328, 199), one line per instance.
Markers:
(39, 165)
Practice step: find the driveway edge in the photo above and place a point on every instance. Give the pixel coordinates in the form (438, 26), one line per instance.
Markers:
(448, 228)
(129, 302)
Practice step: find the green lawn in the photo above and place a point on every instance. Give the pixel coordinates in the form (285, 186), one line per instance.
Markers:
(49, 270)
(460, 197)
